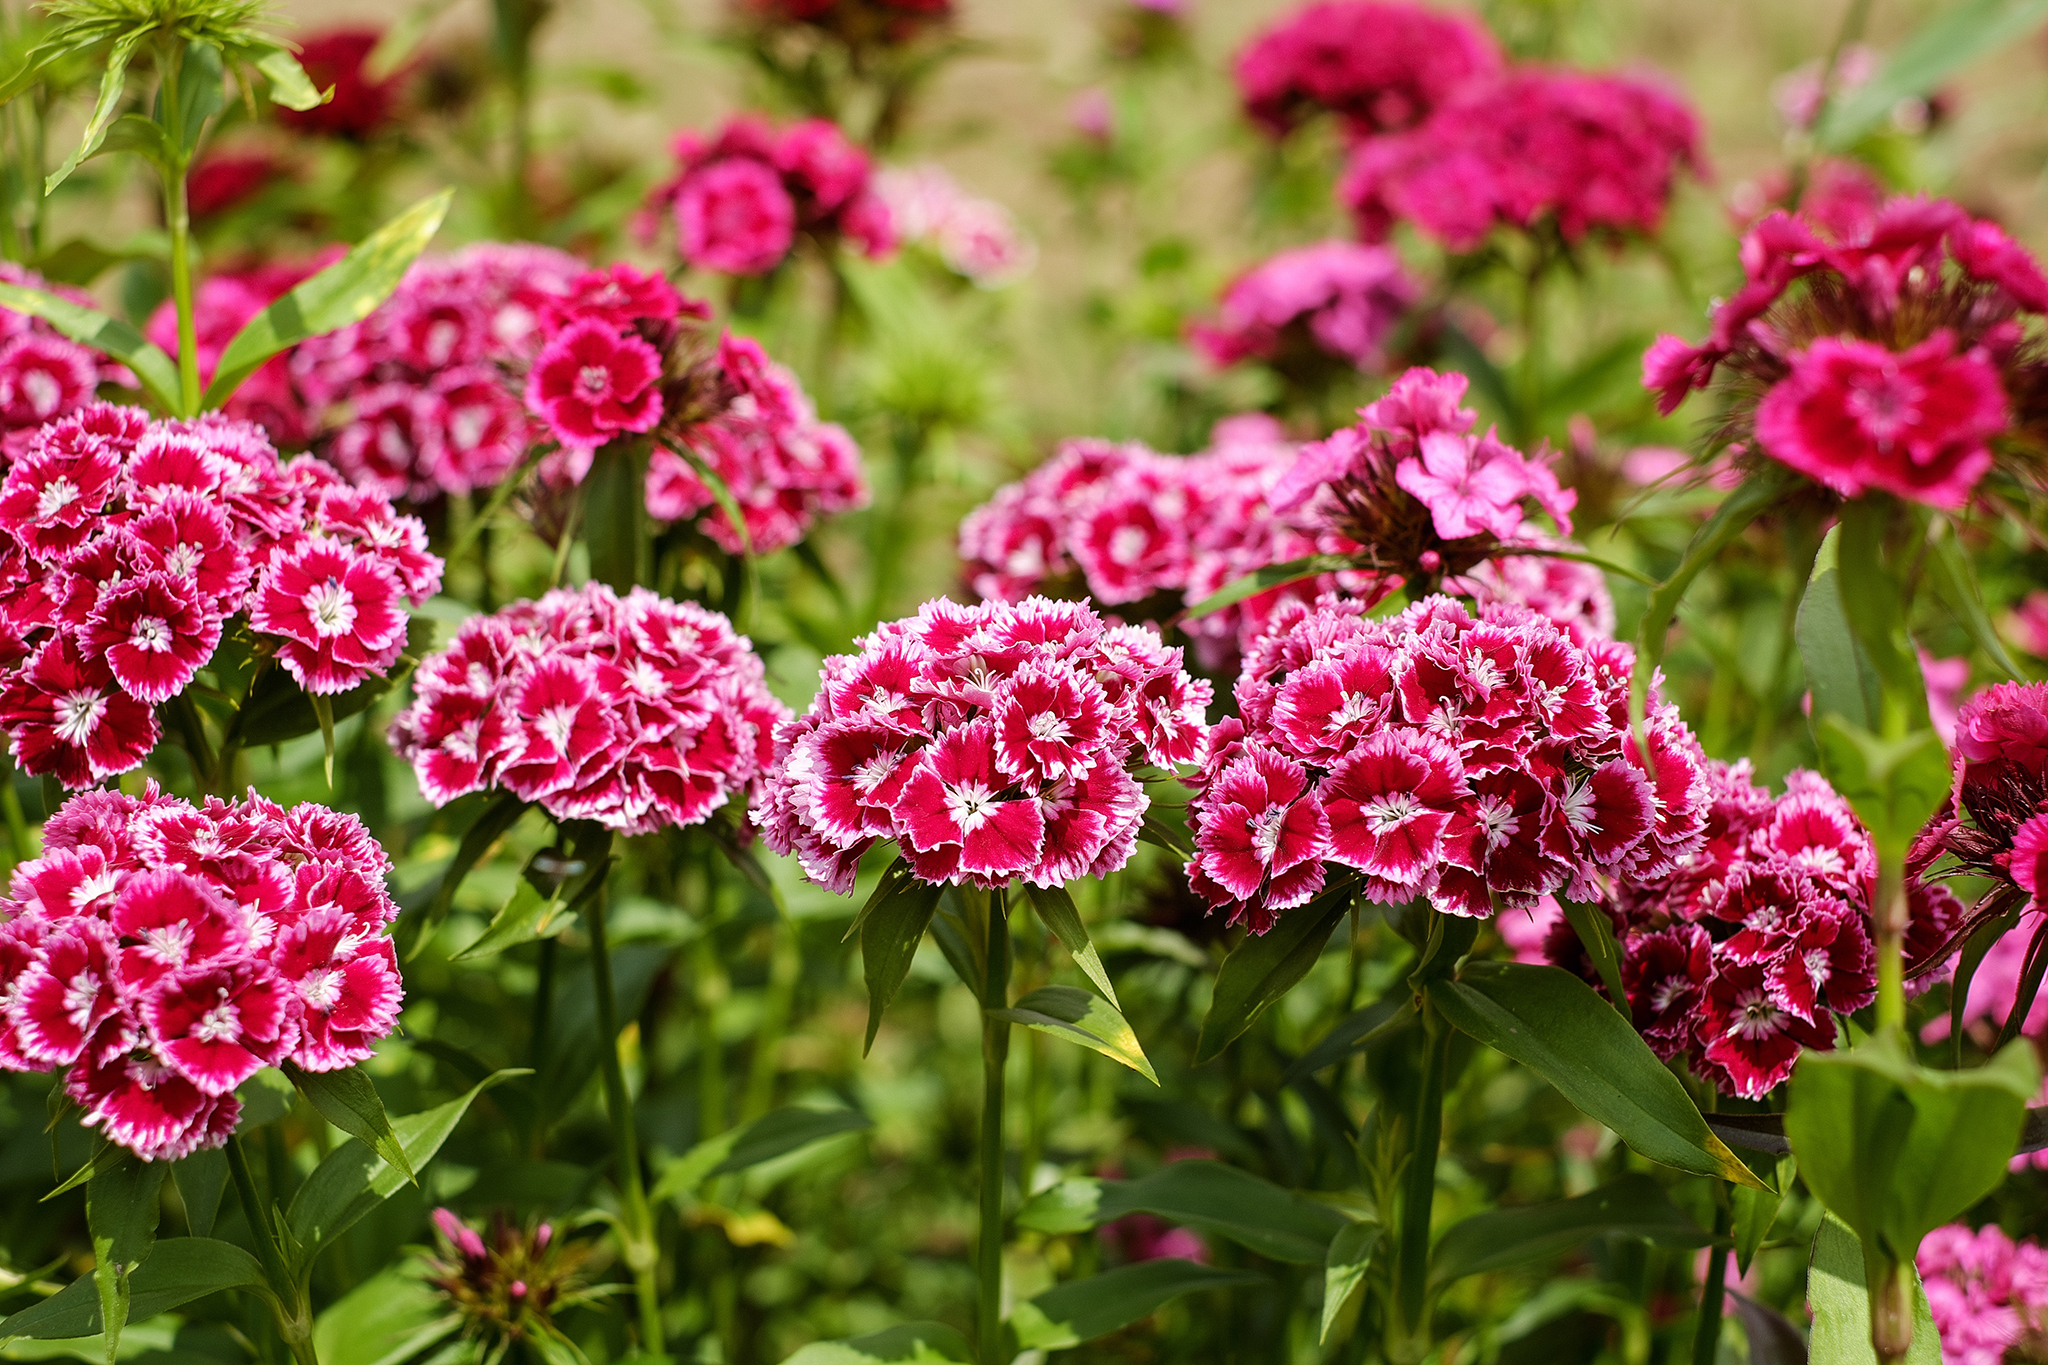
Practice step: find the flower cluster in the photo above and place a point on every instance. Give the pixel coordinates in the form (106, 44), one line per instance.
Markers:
(130, 544)
(1876, 349)
(420, 398)
(1988, 1294)
(1474, 761)
(598, 373)
(990, 742)
(784, 468)
(162, 953)
(1381, 66)
(508, 1288)
(1574, 150)
(742, 196)
(1996, 826)
(1736, 957)
(43, 374)
(634, 711)
(858, 23)
(1151, 533)
(1306, 307)
(975, 238)
(1414, 486)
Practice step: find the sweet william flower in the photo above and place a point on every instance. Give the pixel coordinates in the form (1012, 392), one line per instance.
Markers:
(65, 715)
(154, 634)
(591, 383)
(956, 819)
(735, 217)
(339, 611)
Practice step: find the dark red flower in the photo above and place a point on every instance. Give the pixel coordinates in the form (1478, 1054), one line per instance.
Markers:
(360, 107)
(67, 717)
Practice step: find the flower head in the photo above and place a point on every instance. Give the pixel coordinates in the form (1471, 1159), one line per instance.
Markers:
(590, 383)
(1382, 67)
(1334, 300)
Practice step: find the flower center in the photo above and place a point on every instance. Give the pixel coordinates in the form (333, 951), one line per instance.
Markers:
(332, 607)
(1127, 544)
(43, 391)
(151, 633)
(1669, 992)
(183, 561)
(221, 1024)
(169, 944)
(93, 888)
(1049, 727)
(80, 995)
(77, 715)
(1756, 1017)
(1885, 406)
(594, 380)
(57, 495)
(1385, 814)
(556, 722)
(971, 805)
(1266, 829)
(320, 990)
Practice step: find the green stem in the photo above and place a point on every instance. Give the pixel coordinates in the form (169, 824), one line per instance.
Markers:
(543, 1018)
(995, 1056)
(784, 966)
(636, 1225)
(178, 219)
(711, 990)
(1418, 1186)
(294, 1322)
(18, 842)
(1890, 919)
(1706, 1334)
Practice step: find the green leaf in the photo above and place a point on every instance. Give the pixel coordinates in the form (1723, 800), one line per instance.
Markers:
(1952, 37)
(1839, 673)
(112, 82)
(1082, 1310)
(1875, 606)
(178, 1271)
(910, 1343)
(1755, 1211)
(105, 1156)
(1063, 917)
(346, 292)
(278, 709)
(1633, 1206)
(889, 937)
(1894, 1149)
(155, 371)
(1344, 1270)
(323, 711)
(1841, 1305)
(1981, 941)
(1361, 1029)
(1552, 1022)
(783, 1131)
(1773, 1340)
(529, 915)
(353, 1179)
(1160, 834)
(289, 83)
(615, 514)
(201, 1179)
(134, 133)
(266, 1097)
(1205, 1195)
(348, 1100)
(1266, 966)
(1596, 935)
(1893, 784)
(1272, 576)
(964, 948)
(388, 1319)
(201, 94)
(1080, 1017)
(121, 1210)
(1955, 582)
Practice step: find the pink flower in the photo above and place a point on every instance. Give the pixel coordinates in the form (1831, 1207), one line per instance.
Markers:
(345, 985)
(735, 217)
(66, 716)
(619, 297)
(1388, 802)
(957, 818)
(60, 1004)
(219, 1025)
(589, 383)
(149, 1107)
(50, 500)
(2028, 624)
(44, 377)
(1988, 1295)
(1383, 67)
(1262, 835)
(1344, 297)
(339, 611)
(1853, 416)
(154, 634)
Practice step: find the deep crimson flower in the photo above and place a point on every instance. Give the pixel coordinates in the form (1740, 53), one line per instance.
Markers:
(1665, 976)
(1383, 67)
(60, 1003)
(735, 217)
(49, 500)
(360, 107)
(1749, 1040)
(590, 383)
(154, 632)
(149, 1107)
(990, 742)
(1263, 836)
(339, 610)
(226, 180)
(1854, 416)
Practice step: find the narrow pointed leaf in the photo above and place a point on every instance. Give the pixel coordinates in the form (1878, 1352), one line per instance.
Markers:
(1344, 1271)
(155, 371)
(1955, 583)
(112, 82)
(910, 1343)
(290, 86)
(178, 1271)
(1265, 967)
(323, 711)
(1754, 1213)
(348, 1100)
(1073, 1014)
(346, 292)
(1272, 576)
(1361, 1029)
(1060, 914)
(888, 942)
(1552, 1022)
(201, 1177)
(786, 1130)
(121, 1209)
(1082, 1310)
(1207, 1196)
(1596, 935)
(1952, 37)
(490, 826)
(105, 1157)
(1633, 1206)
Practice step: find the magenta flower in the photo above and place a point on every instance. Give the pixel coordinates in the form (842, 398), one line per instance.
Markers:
(636, 712)
(153, 634)
(44, 376)
(1263, 838)
(1853, 416)
(1334, 299)
(339, 610)
(1988, 1294)
(589, 384)
(735, 217)
(164, 952)
(989, 742)
(1382, 67)
(65, 715)
(1388, 801)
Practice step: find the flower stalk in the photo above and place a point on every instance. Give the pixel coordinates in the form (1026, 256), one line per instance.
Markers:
(294, 1318)
(1418, 1192)
(636, 1222)
(995, 1056)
